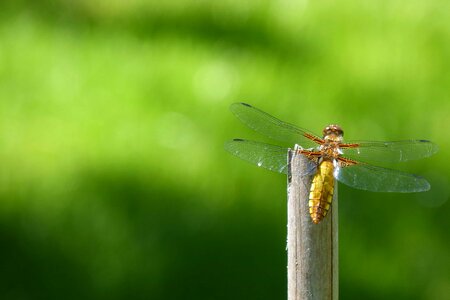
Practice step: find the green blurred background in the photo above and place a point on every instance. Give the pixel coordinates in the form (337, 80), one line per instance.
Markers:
(113, 180)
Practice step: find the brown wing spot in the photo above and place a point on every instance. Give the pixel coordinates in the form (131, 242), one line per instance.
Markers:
(313, 138)
(345, 162)
(349, 145)
(312, 155)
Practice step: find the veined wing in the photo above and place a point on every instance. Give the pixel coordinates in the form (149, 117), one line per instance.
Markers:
(398, 151)
(263, 155)
(376, 179)
(273, 128)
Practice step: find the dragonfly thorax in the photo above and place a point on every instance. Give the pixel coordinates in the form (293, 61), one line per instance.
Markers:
(332, 138)
(330, 150)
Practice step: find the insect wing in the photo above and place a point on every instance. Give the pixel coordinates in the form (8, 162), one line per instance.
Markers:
(398, 151)
(376, 179)
(263, 155)
(273, 128)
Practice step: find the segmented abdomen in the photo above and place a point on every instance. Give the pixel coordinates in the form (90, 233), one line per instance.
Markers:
(321, 193)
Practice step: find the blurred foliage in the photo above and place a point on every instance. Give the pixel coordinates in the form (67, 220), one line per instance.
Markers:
(113, 180)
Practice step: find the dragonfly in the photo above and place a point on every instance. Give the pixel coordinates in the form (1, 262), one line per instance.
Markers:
(329, 158)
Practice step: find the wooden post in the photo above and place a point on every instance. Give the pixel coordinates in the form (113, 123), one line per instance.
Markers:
(312, 249)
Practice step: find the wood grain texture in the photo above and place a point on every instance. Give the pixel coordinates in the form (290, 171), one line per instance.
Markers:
(312, 248)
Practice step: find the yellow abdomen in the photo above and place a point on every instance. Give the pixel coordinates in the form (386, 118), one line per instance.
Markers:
(321, 193)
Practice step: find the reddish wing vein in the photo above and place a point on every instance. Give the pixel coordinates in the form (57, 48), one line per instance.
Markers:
(376, 179)
(274, 128)
(264, 155)
(398, 151)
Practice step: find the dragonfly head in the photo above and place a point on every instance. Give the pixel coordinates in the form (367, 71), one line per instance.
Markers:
(333, 132)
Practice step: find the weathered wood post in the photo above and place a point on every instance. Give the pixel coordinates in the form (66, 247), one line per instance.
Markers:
(312, 249)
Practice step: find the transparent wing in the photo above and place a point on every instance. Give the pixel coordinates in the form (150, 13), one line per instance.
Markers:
(263, 155)
(367, 177)
(398, 151)
(273, 128)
